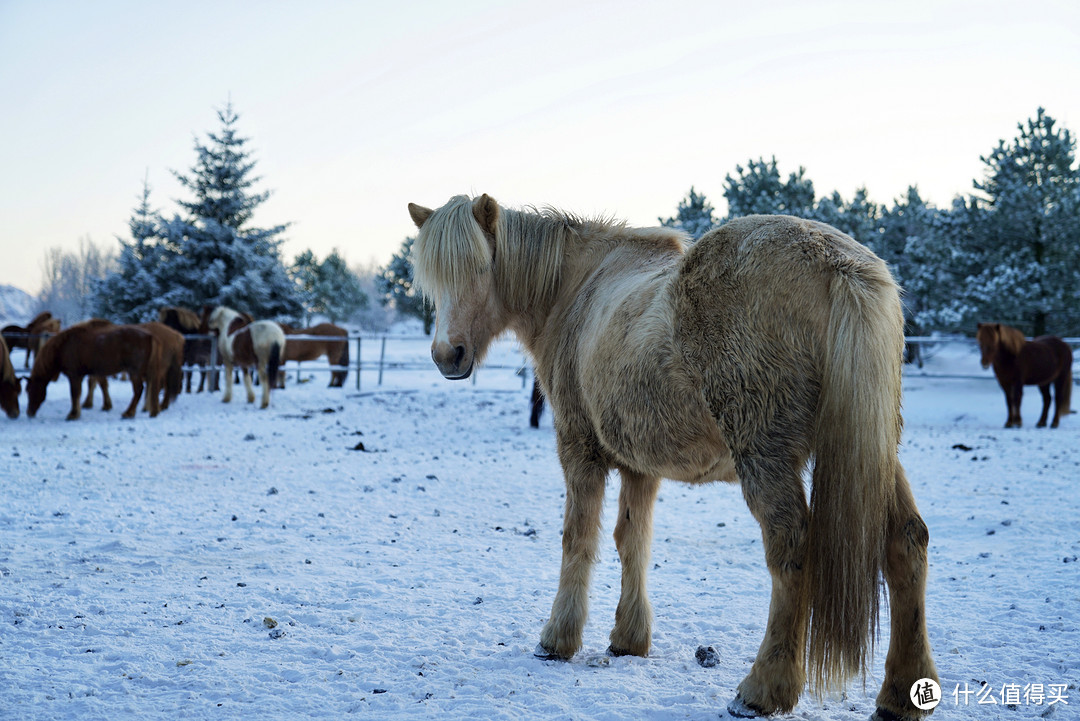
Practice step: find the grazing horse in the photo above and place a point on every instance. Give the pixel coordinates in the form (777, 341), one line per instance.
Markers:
(10, 386)
(170, 372)
(770, 342)
(97, 348)
(335, 348)
(196, 350)
(33, 336)
(1019, 362)
(260, 344)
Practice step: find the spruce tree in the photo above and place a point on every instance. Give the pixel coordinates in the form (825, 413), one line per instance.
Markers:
(1031, 238)
(328, 288)
(221, 258)
(396, 286)
(758, 189)
(694, 216)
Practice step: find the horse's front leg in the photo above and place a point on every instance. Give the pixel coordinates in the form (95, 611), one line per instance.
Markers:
(75, 383)
(561, 636)
(106, 399)
(632, 634)
(91, 383)
(1015, 397)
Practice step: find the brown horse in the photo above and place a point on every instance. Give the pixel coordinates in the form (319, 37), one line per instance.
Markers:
(335, 348)
(33, 336)
(1019, 362)
(170, 372)
(97, 348)
(772, 341)
(196, 350)
(9, 383)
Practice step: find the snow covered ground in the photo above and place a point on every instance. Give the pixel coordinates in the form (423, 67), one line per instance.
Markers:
(223, 562)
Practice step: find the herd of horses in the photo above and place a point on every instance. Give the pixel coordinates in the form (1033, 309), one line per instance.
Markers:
(157, 358)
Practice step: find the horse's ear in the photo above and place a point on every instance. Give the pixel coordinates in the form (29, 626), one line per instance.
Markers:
(419, 214)
(486, 212)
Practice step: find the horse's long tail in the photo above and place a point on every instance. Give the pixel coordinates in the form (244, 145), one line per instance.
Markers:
(856, 439)
(273, 363)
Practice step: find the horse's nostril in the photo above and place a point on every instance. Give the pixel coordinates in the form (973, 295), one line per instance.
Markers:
(459, 353)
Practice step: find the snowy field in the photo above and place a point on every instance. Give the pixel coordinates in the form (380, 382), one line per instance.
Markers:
(221, 562)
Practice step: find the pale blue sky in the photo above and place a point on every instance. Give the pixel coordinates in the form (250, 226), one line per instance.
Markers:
(615, 107)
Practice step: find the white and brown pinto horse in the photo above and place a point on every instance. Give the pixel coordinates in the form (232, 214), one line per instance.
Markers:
(773, 342)
(259, 345)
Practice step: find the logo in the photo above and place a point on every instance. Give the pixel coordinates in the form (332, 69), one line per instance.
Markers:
(925, 694)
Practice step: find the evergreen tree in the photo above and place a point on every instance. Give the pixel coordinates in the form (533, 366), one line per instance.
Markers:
(212, 255)
(1031, 237)
(758, 189)
(328, 288)
(130, 293)
(694, 216)
(860, 218)
(395, 283)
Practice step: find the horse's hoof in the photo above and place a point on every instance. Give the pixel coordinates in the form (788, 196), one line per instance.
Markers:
(884, 714)
(612, 651)
(543, 654)
(740, 709)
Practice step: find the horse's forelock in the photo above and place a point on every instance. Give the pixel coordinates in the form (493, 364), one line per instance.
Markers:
(450, 250)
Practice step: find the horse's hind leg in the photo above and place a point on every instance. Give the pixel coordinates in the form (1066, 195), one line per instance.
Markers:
(1045, 390)
(561, 636)
(247, 385)
(264, 379)
(909, 658)
(632, 634)
(774, 492)
(136, 394)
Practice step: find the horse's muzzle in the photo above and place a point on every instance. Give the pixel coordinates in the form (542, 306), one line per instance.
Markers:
(454, 362)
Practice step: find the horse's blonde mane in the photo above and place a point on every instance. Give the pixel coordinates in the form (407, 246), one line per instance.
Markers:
(452, 249)
(1012, 339)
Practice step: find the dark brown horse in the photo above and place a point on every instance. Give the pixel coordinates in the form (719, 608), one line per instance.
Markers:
(97, 348)
(1019, 362)
(196, 350)
(335, 347)
(33, 336)
(9, 383)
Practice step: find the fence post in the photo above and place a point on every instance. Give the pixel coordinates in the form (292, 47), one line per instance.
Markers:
(358, 362)
(382, 355)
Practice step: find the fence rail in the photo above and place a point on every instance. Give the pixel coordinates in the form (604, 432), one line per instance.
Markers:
(359, 365)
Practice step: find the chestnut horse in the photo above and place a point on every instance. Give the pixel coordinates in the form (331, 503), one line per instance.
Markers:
(33, 336)
(196, 350)
(170, 372)
(10, 386)
(260, 345)
(97, 348)
(772, 341)
(1019, 362)
(335, 348)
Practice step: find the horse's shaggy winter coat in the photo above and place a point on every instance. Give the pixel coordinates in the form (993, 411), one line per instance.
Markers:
(771, 343)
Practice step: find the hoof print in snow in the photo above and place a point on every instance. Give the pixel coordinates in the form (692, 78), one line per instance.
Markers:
(707, 657)
(277, 633)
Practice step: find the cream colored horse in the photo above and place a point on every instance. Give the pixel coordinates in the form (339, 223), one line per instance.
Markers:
(770, 343)
(260, 345)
